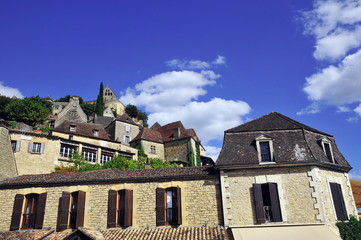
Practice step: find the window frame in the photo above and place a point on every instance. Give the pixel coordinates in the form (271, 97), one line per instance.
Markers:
(153, 149)
(36, 147)
(89, 155)
(64, 220)
(162, 209)
(338, 201)
(273, 208)
(269, 140)
(327, 142)
(34, 207)
(115, 206)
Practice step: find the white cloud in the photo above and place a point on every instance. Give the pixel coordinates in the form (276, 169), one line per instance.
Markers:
(358, 110)
(9, 91)
(343, 109)
(311, 109)
(355, 175)
(336, 26)
(172, 96)
(352, 119)
(195, 64)
(337, 85)
(212, 152)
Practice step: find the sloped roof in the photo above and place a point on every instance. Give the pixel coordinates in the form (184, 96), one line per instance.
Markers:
(356, 190)
(189, 233)
(82, 129)
(126, 118)
(293, 143)
(25, 234)
(270, 122)
(105, 121)
(161, 134)
(108, 175)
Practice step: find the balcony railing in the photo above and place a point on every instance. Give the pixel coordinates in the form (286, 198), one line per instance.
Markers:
(29, 220)
(268, 213)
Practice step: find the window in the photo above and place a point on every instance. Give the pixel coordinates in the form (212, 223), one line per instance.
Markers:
(30, 213)
(264, 145)
(168, 209)
(96, 132)
(127, 128)
(71, 210)
(35, 147)
(15, 145)
(71, 137)
(338, 202)
(267, 203)
(72, 128)
(126, 139)
(89, 155)
(152, 149)
(120, 208)
(67, 151)
(104, 158)
(327, 149)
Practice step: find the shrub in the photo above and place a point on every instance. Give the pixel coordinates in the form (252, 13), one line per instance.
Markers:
(350, 230)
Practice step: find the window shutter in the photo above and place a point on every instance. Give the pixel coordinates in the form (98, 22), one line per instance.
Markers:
(40, 212)
(81, 210)
(18, 144)
(128, 213)
(179, 206)
(130, 138)
(112, 208)
(42, 148)
(275, 202)
(17, 211)
(123, 138)
(30, 149)
(160, 211)
(258, 202)
(338, 202)
(63, 213)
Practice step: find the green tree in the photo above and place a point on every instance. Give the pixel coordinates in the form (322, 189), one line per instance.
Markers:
(88, 108)
(131, 110)
(4, 101)
(198, 154)
(143, 116)
(28, 111)
(350, 230)
(43, 102)
(99, 107)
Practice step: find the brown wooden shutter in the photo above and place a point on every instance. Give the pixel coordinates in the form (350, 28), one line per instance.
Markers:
(258, 202)
(40, 212)
(63, 213)
(275, 202)
(338, 202)
(160, 210)
(17, 211)
(179, 206)
(80, 210)
(128, 210)
(112, 208)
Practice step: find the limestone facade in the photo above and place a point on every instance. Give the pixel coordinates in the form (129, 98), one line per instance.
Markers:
(7, 160)
(72, 112)
(122, 131)
(153, 149)
(200, 201)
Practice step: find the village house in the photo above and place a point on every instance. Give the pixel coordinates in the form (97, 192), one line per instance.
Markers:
(280, 178)
(275, 178)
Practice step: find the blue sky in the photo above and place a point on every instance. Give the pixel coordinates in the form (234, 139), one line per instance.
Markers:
(212, 65)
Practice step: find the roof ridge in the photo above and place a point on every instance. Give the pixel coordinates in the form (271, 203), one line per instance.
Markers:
(250, 121)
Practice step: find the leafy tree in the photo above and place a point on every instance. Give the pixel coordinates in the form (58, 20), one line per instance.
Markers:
(43, 102)
(27, 110)
(88, 108)
(350, 230)
(4, 101)
(131, 110)
(198, 154)
(143, 116)
(191, 157)
(99, 107)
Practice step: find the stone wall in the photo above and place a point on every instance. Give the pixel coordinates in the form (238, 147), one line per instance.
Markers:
(120, 131)
(177, 150)
(115, 105)
(159, 149)
(7, 161)
(200, 203)
(36, 163)
(295, 194)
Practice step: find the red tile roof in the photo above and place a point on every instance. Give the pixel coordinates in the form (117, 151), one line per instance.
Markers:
(126, 118)
(158, 133)
(189, 233)
(25, 234)
(82, 129)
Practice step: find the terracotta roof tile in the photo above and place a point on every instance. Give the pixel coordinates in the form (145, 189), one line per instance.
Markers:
(108, 175)
(58, 235)
(25, 234)
(82, 129)
(126, 118)
(189, 233)
(150, 135)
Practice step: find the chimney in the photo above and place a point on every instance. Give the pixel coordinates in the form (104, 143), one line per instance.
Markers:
(176, 132)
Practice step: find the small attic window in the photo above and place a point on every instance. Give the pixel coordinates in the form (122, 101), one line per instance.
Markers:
(264, 145)
(72, 128)
(327, 149)
(96, 132)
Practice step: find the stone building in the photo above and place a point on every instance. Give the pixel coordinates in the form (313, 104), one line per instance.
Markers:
(111, 101)
(7, 161)
(111, 200)
(171, 142)
(71, 112)
(281, 179)
(123, 129)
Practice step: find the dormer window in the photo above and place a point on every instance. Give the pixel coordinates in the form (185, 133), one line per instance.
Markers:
(264, 145)
(96, 132)
(327, 149)
(72, 128)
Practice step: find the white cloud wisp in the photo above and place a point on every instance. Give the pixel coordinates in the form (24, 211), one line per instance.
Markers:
(195, 64)
(9, 91)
